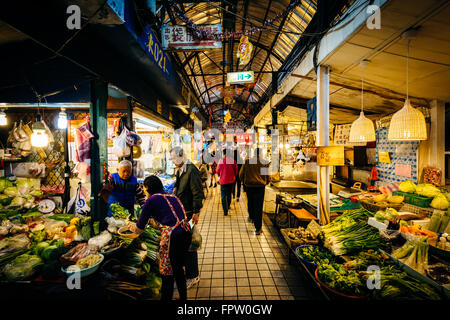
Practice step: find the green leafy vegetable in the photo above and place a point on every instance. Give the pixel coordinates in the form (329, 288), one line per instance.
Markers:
(119, 212)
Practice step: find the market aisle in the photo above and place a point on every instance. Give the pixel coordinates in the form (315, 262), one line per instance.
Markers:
(235, 264)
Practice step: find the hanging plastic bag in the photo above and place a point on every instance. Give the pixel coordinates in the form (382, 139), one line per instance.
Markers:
(78, 204)
(120, 146)
(196, 242)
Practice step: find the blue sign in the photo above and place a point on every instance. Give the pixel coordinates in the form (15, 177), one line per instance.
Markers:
(146, 38)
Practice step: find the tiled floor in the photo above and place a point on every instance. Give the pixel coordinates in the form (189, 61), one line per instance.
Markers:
(235, 264)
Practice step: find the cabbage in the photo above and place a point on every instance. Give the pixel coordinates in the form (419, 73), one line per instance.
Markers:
(23, 190)
(17, 202)
(4, 183)
(37, 193)
(24, 183)
(427, 190)
(407, 186)
(10, 191)
(440, 202)
(391, 213)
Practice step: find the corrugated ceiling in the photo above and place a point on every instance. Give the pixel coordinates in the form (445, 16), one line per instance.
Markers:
(270, 47)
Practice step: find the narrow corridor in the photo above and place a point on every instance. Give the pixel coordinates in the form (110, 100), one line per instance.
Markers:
(235, 264)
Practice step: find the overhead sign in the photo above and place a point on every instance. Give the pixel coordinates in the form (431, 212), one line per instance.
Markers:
(179, 38)
(330, 156)
(240, 77)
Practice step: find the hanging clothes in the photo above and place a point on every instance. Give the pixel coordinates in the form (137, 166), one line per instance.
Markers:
(83, 137)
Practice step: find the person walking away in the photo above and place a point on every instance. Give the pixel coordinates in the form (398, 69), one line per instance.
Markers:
(203, 169)
(255, 182)
(188, 188)
(213, 172)
(227, 171)
(237, 185)
(123, 188)
(168, 212)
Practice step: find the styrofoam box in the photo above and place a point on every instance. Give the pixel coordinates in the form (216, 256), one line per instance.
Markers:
(377, 224)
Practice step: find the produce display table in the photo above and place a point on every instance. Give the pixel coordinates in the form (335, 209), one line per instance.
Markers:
(295, 187)
(301, 215)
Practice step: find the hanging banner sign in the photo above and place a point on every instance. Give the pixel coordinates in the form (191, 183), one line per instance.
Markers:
(330, 156)
(240, 77)
(179, 38)
(244, 51)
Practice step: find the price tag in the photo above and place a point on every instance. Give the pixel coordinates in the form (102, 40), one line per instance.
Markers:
(383, 156)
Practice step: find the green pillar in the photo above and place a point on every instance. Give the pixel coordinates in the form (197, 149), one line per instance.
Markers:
(99, 148)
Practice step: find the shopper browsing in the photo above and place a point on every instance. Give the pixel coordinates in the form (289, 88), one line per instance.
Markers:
(227, 171)
(124, 188)
(188, 188)
(169, 213)
(255, 182)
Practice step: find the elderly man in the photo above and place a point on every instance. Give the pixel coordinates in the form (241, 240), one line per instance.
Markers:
(124, 187)
(188, 188)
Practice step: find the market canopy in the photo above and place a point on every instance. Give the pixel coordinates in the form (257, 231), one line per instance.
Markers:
(279, 31)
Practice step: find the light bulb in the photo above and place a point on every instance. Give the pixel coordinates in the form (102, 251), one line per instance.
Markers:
(3, 119)
(62, 119)
(39, 138)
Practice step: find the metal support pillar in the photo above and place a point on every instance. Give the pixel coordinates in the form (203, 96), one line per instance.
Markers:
(323, 139)
(99, 148)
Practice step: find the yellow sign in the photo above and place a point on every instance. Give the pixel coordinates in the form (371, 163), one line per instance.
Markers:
(159, 106)
(330, 156)
(383, 156)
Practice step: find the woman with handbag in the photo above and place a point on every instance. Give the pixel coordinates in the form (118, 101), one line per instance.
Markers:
(168, 211)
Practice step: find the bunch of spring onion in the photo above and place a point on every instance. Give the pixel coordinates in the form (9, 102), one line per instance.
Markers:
(346, 220)
(357, 237)
(414, 253)
(398, 285)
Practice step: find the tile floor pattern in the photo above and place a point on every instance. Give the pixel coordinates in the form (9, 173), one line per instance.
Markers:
(235, 264)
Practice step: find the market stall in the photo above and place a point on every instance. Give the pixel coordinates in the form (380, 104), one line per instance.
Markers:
(350, 250)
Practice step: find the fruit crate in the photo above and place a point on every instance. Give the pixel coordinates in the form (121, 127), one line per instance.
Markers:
(414, 199)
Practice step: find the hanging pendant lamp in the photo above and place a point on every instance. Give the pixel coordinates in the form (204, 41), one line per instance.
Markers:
(362, 129)
(408, 123)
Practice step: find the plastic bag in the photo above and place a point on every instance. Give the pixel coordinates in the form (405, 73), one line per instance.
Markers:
(120, 146)
(196, 242)
(100, 241)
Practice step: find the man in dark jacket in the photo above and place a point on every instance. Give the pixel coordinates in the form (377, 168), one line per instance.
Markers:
(188, 188)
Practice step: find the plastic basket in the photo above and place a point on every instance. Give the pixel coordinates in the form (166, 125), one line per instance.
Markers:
(414, 199)
(308, 263)
(339, 294)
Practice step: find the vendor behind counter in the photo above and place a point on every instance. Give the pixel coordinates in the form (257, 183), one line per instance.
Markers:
(123, 188)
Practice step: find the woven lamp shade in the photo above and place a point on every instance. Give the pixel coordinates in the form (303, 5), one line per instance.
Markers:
(408, 124)
(362, 130)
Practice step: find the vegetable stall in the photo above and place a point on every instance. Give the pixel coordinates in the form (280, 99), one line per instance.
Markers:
(356, 258)
(41, 252)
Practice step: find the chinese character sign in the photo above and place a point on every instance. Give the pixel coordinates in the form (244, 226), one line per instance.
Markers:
(179, 38)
